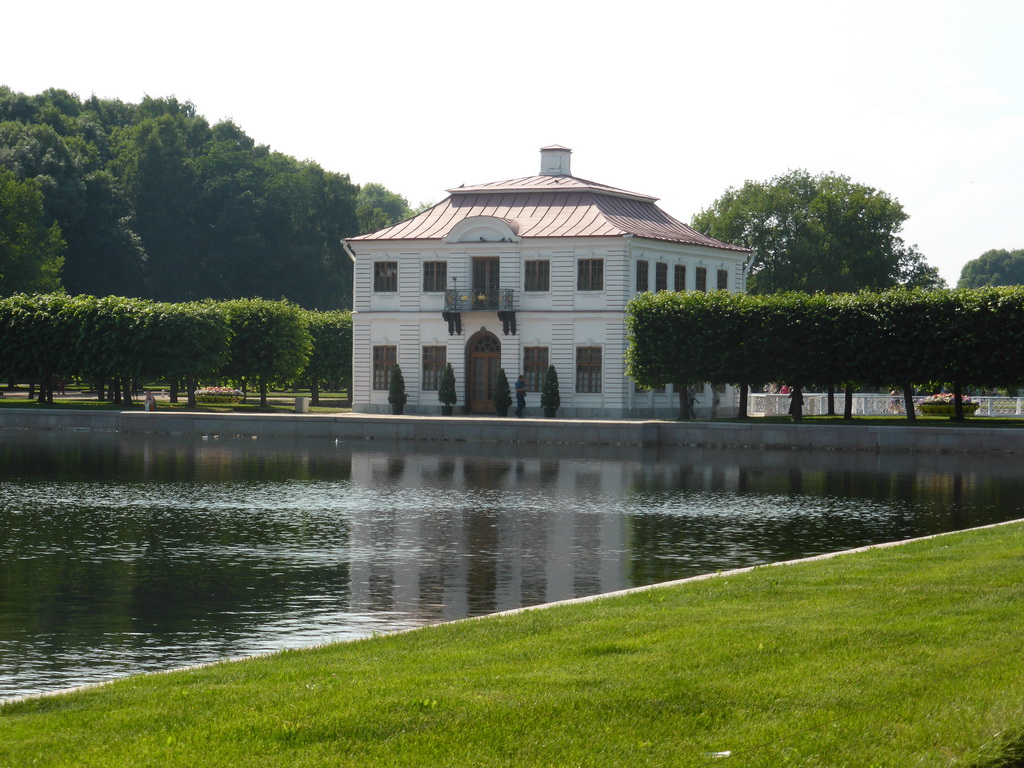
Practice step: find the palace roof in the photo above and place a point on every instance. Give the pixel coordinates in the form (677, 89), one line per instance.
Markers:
(550, 205)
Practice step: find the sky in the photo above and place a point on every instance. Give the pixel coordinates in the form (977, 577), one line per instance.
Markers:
(676, 99)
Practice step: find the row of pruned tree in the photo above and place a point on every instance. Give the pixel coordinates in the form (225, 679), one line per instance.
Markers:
(115, 342)
(898, 338)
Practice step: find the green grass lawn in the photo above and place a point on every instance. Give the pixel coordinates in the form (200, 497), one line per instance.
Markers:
(277, 402)
(905, 656)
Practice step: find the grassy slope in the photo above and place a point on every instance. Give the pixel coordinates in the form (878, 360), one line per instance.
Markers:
(904, 656)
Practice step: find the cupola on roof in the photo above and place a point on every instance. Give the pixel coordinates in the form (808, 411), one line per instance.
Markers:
(554, 160)
(552, 204)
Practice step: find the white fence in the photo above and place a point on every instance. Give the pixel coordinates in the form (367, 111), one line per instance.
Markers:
(816, 403)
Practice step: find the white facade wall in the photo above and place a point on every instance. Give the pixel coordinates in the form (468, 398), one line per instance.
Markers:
(562, 318)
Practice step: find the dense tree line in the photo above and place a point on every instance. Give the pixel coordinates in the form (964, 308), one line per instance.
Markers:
(151, 201)
(114, 343)
(899, 338)
(995, 267)
(818, 233)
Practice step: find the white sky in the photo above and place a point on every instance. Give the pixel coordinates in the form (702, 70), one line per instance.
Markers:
(676, 99)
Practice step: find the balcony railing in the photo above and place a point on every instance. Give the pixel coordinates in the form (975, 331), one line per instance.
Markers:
(500, 299)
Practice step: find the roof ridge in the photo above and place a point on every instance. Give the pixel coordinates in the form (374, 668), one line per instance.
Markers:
(543, 183)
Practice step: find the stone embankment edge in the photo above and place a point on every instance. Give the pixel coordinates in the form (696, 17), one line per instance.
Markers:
(752, 434)
(540, 607)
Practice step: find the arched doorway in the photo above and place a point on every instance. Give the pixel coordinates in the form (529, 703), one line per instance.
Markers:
(483, 359)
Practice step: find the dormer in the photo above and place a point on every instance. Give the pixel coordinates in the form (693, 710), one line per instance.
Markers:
(483, 229)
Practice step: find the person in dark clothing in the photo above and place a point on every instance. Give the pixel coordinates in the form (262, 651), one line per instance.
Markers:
(520, 395)
(796, 403)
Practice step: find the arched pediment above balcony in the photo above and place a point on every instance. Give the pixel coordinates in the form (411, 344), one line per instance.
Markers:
(485, 229)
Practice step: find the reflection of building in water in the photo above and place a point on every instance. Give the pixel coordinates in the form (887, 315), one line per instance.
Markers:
(489, 540)
(444, 536)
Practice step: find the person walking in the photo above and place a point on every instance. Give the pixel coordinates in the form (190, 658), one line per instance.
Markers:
(520, 395)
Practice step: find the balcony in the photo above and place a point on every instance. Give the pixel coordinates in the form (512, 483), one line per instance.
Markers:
(500, 300)
(495, 299)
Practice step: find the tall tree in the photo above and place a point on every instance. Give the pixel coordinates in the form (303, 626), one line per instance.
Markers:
(30, 250)
(64, 145)
(817, 233)
(378, 207)
(995, 267)
(311, 211)
(153, 161)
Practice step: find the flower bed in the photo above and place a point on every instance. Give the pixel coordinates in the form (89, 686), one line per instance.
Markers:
(219, 396)
(942, 404)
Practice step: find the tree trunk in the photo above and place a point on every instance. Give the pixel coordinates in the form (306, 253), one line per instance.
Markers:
(314, 391)
(958, 401)
(263, 392)
(684, 403)
(848, 402)
(744, 394)
(173, 396)
(831, 399)
(908, 402)
(190, 392)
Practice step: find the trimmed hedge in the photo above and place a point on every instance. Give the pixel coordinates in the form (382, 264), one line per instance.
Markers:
(115, 339)
(960, 338)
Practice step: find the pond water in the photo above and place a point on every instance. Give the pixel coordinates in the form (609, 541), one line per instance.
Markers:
(129, 553)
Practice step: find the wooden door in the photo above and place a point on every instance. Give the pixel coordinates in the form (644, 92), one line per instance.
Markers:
(484, 360)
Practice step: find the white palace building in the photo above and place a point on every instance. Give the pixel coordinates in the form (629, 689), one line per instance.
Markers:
(518, 275)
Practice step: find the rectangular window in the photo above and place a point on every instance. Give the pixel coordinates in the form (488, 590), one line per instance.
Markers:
(701, 278)
(434, 360)
(591, 275)
(642, 277)
(385, 276)
(661, 276)
(535, 367)
(588, 369)
(435, 276)
(723, 279)
(384, 359)
(538, 275)
(680, 284)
